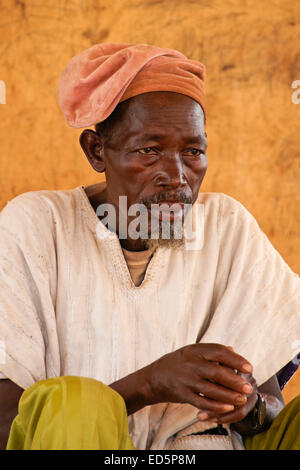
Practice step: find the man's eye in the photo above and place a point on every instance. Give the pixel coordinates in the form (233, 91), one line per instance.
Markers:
(195, 152)
(147, 150)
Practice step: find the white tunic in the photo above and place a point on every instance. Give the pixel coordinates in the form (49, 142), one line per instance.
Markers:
(68, 305)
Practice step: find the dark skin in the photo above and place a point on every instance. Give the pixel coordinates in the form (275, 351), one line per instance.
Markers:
(173, 164)
(10, 394)
(139, 167)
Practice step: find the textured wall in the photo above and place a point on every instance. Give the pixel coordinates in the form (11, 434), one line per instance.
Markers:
(251, 50)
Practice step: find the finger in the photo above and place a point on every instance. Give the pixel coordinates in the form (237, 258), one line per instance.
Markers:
(238, 414)
(223, 354)
(214, 417)
(208, 416)
(233, 417)
(205, 404)
(221, 394)
(223, 376)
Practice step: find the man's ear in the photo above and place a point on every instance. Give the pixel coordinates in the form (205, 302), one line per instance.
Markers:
(92, 146)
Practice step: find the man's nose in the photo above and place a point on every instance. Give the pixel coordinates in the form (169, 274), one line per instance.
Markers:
(171, 173)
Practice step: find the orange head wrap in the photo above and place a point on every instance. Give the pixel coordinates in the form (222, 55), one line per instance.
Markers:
(96, 80)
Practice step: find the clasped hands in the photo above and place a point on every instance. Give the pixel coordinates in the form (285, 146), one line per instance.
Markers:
(211, 377)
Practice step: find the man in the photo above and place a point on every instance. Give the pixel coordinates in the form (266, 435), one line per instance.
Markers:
(188, 337)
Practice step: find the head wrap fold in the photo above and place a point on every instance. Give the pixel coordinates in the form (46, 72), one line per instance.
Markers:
(96, 80)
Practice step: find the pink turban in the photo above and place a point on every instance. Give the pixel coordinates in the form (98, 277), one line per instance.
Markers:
(96, 80)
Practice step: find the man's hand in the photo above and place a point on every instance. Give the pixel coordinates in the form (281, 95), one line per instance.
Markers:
(241, 410)
(204, 376)
(211, 377)
(240, 419)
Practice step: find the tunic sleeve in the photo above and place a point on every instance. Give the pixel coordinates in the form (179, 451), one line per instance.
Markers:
(257, 308)
(28, 337)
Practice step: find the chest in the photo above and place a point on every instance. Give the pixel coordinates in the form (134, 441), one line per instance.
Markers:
(107, 327)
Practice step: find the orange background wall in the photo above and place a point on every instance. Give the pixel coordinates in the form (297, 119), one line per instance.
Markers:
(251, 51)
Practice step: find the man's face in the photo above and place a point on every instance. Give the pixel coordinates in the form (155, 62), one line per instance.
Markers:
(157, 151)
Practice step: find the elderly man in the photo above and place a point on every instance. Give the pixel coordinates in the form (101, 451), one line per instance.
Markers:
(126, 338)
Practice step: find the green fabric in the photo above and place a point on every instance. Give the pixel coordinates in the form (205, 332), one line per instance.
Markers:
(69, 413)
(284, 432)
(78, 413)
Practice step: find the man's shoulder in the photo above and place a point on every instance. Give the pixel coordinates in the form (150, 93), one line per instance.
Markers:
(42, 195)
(42, 198)
(223, 203)
(227, 215)
(38, 207)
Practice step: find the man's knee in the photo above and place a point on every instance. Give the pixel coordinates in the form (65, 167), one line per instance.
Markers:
(293, 407)
(64, 412)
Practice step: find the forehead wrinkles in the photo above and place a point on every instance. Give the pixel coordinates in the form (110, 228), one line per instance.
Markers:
(175, 118)
(147, 115)
(174, 111)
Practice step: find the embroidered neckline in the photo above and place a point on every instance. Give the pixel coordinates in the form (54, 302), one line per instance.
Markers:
(115, 254)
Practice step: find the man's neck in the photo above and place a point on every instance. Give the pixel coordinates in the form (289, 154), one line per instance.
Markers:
(97, 195)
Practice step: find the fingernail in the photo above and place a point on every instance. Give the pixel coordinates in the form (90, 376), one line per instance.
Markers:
(247, 388)
(240, 400)
(247, 368)
(228, 407)
(202, 416)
